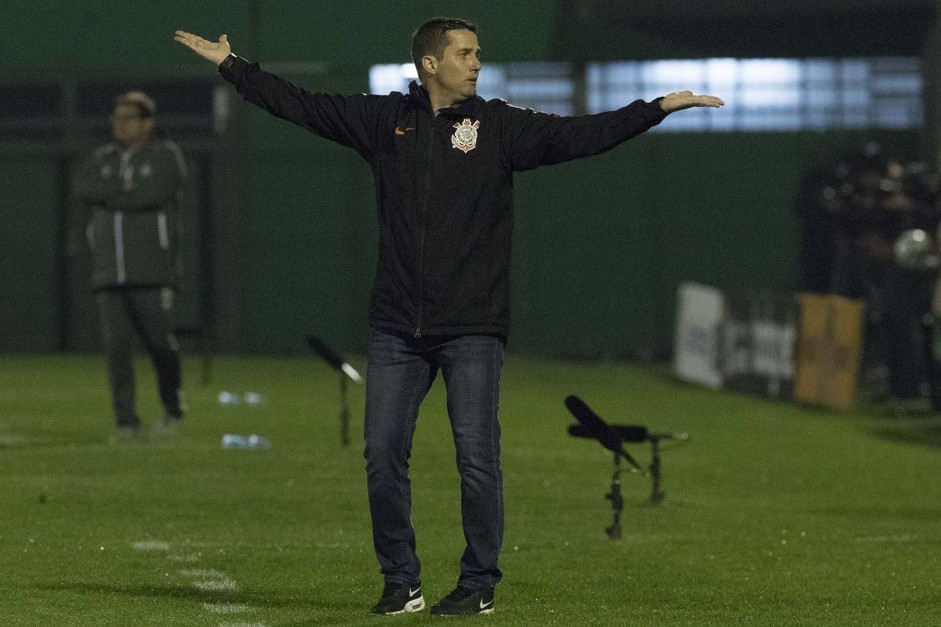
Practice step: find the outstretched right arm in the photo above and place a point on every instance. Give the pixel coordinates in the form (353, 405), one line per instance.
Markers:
(347, 120)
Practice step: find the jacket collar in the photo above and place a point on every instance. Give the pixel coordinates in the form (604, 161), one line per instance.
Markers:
(469, 107)
(144, 147)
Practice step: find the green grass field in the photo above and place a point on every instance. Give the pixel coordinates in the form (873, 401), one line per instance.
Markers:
(774, 514)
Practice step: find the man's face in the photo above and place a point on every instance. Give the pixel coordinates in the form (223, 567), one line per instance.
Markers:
(457, 69)
(128, 126)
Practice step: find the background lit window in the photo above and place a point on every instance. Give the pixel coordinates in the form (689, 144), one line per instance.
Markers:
(760, 94)
(771, 94)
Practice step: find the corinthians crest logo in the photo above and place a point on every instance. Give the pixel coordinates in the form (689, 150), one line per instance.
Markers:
(465, 137)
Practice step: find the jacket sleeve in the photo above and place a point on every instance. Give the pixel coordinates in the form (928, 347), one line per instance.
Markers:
(346, 120)
(162, 185)
(89, 186)
(532, 139)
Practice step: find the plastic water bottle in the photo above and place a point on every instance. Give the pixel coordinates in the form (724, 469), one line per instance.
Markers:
(253, 398)
(234, 440)
(257, 441)
(228, 398)
(253, 441)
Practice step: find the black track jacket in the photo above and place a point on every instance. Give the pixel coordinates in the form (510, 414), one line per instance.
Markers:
(444, 188)
(134, 224)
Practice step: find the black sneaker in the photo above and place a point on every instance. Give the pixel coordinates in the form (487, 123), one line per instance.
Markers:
(124, 435)
(166, 429)
(400, 598)
(464, 601)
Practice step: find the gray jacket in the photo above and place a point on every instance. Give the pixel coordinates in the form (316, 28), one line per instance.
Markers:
(133, 206)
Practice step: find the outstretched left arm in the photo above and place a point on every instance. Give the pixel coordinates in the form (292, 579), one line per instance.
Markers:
(533, 139)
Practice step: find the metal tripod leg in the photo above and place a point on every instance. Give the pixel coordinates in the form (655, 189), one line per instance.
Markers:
(617, 501)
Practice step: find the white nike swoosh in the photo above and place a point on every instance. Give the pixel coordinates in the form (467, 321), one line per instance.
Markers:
(411, 592)
(483, 605)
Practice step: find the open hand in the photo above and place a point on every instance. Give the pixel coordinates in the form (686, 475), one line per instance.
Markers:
(215, 52)
(677, 101)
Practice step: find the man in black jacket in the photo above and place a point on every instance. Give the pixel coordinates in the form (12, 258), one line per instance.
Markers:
(131, 188)
(443, 160)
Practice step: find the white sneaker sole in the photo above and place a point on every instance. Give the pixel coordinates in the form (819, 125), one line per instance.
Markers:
(415, 605)
(489, 610)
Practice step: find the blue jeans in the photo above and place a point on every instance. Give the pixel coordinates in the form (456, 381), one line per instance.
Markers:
(400, 372)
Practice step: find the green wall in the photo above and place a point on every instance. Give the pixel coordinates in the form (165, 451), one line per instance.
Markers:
(47, 36)
(600, 244)
(29, 305)
(603, 243)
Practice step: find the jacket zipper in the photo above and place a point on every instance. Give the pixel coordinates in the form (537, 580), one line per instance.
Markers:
(119, 247)
(126, 172)
(163, 234)
(422, 217)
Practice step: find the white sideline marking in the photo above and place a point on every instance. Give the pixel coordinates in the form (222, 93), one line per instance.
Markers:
(217, 585)
(204, 573)
(208, 579)
(903, 537)
(151, 545)
(227, 608)
(211, 579)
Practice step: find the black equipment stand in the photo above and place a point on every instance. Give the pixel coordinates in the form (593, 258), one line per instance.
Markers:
(613, 437)
(656, 494)
(617, 501)
(344, 412)
(346, 372)
(206, 342)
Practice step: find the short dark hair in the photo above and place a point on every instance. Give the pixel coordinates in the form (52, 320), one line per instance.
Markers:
(146, 107)
(432, 37)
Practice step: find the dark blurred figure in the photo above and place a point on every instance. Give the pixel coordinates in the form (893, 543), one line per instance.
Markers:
(917, 253)
(816, 224)
(874, 201)
(130, 188)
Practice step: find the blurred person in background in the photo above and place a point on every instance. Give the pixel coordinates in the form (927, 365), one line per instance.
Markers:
(933, 341)
(917, 253)
(815, 258)
(873, 203)
(130, 189)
